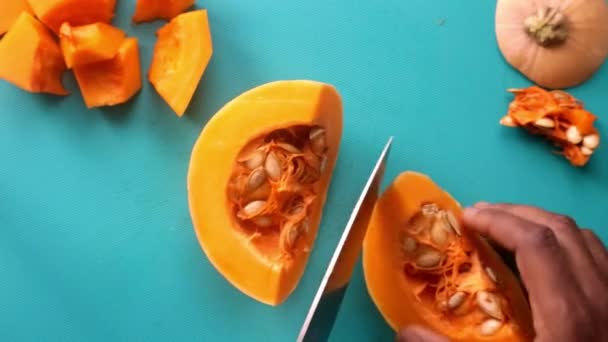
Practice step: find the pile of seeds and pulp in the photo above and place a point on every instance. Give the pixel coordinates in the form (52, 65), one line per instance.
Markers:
(273, 185)
(559, 117)
(438, 261)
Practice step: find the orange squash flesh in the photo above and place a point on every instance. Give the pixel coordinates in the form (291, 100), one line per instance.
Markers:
(148, 10)
(89, 43)
(181, 54)
(53, 13)
(254, 262)
(402, 297)
(30, 58)
(9, 11)
(111, 82)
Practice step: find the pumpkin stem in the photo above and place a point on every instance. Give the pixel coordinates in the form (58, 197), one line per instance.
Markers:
(547, 26)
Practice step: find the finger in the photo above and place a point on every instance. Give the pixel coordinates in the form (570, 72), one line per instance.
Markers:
(569, 236)
(597, 249)
(540, 258)
(419, 334)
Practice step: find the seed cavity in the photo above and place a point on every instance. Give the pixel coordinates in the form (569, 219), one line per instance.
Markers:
(489, 304)
(573, 135)
(490, 326)
(444, 268)
(273, 186)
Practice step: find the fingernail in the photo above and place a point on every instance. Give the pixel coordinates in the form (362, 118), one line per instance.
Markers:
(409, 336)
(482, 204)
(469, 212)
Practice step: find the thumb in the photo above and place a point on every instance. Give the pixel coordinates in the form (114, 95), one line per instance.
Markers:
(419, 334)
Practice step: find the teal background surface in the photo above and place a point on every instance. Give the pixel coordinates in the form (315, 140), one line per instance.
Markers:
(96, 242)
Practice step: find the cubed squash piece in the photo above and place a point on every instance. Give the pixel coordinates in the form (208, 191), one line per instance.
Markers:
(89, 43)
(181, 54)
(53, 13)
(111, 82)
(30, 57)
(148, 10)
(9, 11)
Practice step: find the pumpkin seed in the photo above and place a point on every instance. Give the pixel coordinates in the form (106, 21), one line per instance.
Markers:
(586, 151)
(573, 135)
(254, 207)
(255, 160)
(442, 305)
(256, 179)
(490, 326)
(315, 133)
(491, 274)
(305, 226)
(273, 167)
(289, 148)
(429, 258)
(453, 222)
(591, 141)
(507, 120)
(419, 223)
(290, 234)
(323, 164)
(430, 209)
(409, 245)
(489, 304)
(544, 123)
(318, 143)
(262, 221)
(439, 233)
(456, 300)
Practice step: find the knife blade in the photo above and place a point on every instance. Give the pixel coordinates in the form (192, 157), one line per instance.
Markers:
(326, 303)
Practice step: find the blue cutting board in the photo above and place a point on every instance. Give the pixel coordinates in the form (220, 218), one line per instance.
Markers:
(96, 242)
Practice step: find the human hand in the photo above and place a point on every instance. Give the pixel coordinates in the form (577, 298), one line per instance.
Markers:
(564, 269)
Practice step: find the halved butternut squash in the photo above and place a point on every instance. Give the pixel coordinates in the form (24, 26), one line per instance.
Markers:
(30, 57)
(111, 82)
(258, 180)
(181, 55)
(9, 11)
(148, 10)
(89, 43)
(423, 267)
(53, 13)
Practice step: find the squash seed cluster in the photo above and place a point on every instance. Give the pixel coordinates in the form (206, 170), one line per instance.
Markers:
(557, 116)
(437, 256)
(274, 183)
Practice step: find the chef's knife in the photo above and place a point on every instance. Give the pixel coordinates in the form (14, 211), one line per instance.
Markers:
(326, 303)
